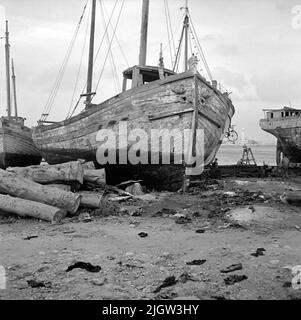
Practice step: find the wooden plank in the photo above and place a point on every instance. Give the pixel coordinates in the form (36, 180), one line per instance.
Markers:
(209, 118)
(167, 115)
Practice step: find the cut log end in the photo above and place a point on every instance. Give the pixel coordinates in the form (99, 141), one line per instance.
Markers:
(59, 216)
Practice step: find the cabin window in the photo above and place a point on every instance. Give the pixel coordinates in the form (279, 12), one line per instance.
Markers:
(272, 115)
(282, 114)
(287, 114)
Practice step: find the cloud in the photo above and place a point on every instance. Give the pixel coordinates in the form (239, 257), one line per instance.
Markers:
(278, 85)
(215, 38)
(239, 84)
(286, 5)
(227, 49)
(2, 16)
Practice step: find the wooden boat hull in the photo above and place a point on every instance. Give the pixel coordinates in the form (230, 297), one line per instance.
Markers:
(16, 146)
(288, 134)
(171, 103)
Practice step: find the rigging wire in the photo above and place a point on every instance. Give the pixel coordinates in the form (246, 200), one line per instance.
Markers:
(62, 70)
(110, 45)
(113, 65)
(117, 40)
(170, 27)
(106, 30)
(168, 31)
(80, 66)
(178, 56)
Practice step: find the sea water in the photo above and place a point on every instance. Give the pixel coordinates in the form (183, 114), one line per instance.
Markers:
(231, 153)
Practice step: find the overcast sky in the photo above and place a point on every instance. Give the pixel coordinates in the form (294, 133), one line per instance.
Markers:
(250, 45)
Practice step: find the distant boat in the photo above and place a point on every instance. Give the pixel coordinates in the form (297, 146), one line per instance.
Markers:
(285, 125)
(16, 144)
(158, 98)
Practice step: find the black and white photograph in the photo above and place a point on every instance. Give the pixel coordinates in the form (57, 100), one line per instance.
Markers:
(150, 150)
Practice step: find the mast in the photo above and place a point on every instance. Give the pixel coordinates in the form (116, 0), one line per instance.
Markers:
(14, 89)
(7, 61)
(143, 36)
(186, 26)
(91, 55)
(184, 37)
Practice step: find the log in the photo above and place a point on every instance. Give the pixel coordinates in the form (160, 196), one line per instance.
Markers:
(27, 208)
(90, 200)
(64, 187)
(97, 177)
(47, 174)
(88, 165)
(293, 198)
(23, 188)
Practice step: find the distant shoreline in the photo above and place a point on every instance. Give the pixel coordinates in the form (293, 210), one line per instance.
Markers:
(230, 154)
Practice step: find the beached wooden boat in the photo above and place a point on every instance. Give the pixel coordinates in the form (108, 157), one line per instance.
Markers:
(16, 144)
(285, 125)
(158, 99)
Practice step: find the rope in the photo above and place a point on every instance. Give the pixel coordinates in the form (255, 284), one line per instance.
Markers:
(62, 70)
(110, 45)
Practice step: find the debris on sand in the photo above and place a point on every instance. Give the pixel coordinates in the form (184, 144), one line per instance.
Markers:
(168, 282)
(165, 212)
(127, 265)
(84, 265)
(38, 284)
(230, 194)
(142, 234)
(182, 220)
(85, 217)
(259, 252)
(128, 183)
(184, 277)
(200, 231)
(30, 237)
(99, 282)
(196, 262)
(235, 278)
(218, 297)
(233, 267)
(252, 209)
(135, 189)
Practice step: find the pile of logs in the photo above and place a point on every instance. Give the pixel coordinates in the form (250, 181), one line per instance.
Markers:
(50, 192)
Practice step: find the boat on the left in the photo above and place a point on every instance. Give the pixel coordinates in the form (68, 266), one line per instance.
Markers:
(16, 144)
